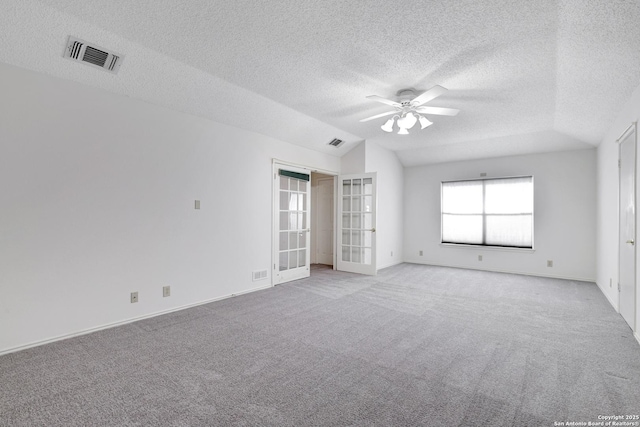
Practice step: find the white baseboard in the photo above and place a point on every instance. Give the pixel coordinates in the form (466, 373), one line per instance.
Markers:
(125, 322)
(606, 295)
(615, 306)
(389, 265)
(494, 270)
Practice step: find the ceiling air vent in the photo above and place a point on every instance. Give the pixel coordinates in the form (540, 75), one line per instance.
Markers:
(335, 142)
(80, 50)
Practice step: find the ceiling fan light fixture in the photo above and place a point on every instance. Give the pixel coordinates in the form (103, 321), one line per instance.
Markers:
(424, 122)
(409, 111)
(388, 126)
(408, 121)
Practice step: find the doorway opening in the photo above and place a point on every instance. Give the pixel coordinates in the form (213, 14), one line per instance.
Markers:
(304, 222)
(323, 217)
(324, 220)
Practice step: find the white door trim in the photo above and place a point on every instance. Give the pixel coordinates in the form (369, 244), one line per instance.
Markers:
(621, 140)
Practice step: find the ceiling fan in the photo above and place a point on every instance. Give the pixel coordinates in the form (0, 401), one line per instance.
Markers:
(409, 109)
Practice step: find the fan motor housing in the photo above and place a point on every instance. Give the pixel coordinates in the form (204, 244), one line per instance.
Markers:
(405, 96)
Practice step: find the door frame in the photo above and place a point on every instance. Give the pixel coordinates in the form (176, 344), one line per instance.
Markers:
(275, 209)
(623, 137)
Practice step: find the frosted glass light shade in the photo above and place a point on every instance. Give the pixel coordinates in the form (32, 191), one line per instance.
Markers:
(424, 122)
(388, 126)
(403, 131)
(407, 121)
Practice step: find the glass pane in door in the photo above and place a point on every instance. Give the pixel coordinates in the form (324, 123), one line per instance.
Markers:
(345, 253)
(293, 259)
(346, 187)
(356, 204)
(293, 240)
(346, 204)
(284, 183)
(302, 258)
(346, 221)
(284, 261)
(356, 222)
(284, 221)
(357, 187)
(367, 183)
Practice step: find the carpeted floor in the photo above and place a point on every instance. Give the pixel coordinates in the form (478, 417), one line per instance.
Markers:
(413, 346)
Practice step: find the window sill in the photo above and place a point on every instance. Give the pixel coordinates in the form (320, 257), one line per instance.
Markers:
(488, 248)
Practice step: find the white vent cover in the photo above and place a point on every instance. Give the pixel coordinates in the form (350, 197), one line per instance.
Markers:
(335, 142)
(259, 275)
(82, 51)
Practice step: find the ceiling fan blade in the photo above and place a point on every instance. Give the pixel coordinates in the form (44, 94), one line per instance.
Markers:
(438, 111)
(377, 116)
(427, 96)
(384, 101)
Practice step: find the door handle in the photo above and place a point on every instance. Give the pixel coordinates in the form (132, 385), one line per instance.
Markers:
(373, 230)
(631, 242)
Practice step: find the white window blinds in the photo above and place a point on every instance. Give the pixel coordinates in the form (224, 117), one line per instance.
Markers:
(490, 212)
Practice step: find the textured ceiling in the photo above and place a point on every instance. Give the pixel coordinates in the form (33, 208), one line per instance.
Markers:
(527, 76)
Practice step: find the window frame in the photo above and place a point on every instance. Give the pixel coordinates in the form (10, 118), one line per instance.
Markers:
(483, 245)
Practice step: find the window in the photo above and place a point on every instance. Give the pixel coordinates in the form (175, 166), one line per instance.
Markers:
(488, 212)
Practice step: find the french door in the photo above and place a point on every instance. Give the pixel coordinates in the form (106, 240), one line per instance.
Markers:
(292, 189)
(357, 223)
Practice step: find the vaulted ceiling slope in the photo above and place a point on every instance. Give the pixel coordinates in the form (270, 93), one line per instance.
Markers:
(528, 77)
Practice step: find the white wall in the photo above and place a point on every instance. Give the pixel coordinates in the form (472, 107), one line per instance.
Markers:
(565, 212)
(607, 215)
(354, 160)
(390, 180)
(97, 200)
(370, 157)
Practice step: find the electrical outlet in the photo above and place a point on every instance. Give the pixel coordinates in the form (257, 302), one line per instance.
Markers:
(166, 291)
(479, 257)
(420, 253)
(610, 282)
(391, 253)
(197, 204)
(134, 297)
(549, 263)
